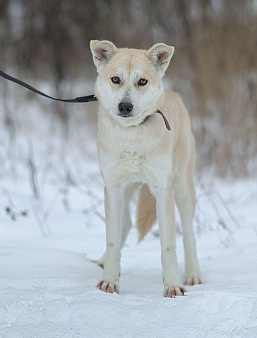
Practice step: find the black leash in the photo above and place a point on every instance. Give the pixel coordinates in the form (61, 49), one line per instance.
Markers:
(80, 99)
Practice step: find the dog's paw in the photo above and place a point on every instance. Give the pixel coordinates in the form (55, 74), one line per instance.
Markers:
(194, 280)
(108, 287)
(173, 291)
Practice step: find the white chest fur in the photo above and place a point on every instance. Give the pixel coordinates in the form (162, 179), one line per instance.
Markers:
(134, 155)
(128, 167)
(133, 161)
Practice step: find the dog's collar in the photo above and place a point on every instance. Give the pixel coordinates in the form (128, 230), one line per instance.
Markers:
(164, 119)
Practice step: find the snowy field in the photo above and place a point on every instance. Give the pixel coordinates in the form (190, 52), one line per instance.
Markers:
(52, 226)
(48, 285)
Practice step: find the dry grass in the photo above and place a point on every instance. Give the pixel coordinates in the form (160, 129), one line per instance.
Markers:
(214, 66)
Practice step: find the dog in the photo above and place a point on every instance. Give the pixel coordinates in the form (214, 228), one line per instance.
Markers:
(137, 151)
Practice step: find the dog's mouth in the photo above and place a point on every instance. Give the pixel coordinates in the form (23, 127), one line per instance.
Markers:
(126, 116)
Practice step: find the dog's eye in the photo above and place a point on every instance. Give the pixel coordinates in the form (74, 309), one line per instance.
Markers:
(142, 82)
(115, 79)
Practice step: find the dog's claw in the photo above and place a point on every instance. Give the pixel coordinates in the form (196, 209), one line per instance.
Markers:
(108, 287)
(173, 291)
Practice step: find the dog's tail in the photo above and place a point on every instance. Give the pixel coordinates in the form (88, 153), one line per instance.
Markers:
(146, 212)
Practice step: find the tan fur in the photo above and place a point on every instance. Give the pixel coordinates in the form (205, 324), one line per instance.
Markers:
(146, 212)
(137, 149)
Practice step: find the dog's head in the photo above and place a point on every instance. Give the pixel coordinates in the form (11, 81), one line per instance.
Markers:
(129, 84)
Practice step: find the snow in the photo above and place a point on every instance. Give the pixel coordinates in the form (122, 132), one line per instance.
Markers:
(47, 278)
(48, 285)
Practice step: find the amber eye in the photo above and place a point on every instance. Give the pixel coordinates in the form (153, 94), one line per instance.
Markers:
(115, 79)
(142, 82)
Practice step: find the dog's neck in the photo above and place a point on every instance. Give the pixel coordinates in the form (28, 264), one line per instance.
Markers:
(167, 125)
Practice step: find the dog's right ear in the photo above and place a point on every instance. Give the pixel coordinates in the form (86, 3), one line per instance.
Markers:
(102, 52)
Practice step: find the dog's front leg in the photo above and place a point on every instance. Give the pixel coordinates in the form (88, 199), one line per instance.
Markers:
(114, 205)
(166, 219)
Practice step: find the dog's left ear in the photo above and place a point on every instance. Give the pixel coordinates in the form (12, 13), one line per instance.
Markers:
(102, 52)
(160, 55)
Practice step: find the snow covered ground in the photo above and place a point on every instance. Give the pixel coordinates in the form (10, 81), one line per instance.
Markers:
(48, 285)
(52, 225)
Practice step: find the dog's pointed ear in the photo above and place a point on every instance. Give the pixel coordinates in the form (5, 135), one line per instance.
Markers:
(160, 55)
(102, 52)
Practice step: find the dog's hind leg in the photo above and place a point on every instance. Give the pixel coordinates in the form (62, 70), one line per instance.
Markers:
(185, 201)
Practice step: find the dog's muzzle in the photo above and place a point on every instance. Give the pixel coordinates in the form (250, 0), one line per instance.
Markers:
(125, 109)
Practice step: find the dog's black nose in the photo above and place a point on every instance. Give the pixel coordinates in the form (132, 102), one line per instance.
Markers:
(125, 108)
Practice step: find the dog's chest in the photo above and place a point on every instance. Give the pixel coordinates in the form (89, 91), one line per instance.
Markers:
(132, 161)
(125, 166)
(134, 166)
(132, 156)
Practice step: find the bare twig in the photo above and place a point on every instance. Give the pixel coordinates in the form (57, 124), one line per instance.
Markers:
(101, 216)
(33, 172)
(37, 205)
(225, 205)
(93, 207)
(216, 209)
(36, 211)
(48, 210)
(227, 209)
(8, 196)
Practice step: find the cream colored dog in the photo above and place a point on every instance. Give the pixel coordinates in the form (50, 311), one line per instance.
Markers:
(136, 150)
